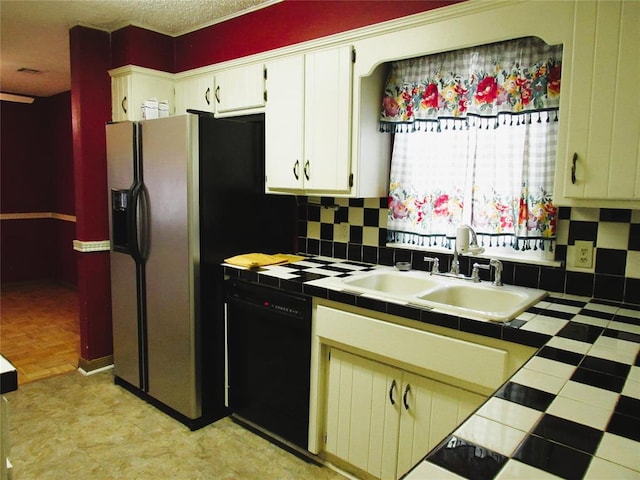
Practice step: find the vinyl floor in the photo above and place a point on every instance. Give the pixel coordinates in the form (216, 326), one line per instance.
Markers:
(85, 427)
(67, 426)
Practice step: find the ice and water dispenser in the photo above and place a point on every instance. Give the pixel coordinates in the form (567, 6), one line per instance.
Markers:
(119, 220)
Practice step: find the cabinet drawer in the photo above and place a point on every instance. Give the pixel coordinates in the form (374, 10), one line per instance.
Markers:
(470, 362)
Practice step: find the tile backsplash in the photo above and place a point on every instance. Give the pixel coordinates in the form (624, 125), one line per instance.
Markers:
(355, 229)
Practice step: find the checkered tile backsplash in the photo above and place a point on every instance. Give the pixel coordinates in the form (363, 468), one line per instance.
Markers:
(355, 229)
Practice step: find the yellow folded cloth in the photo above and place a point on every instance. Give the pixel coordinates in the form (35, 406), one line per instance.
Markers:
(290, 257)
(254, 260)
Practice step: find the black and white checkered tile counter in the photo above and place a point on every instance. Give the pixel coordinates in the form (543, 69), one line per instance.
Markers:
(572, 411)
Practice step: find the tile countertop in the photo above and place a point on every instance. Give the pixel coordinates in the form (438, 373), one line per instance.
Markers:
(572, 411)
(8, 376)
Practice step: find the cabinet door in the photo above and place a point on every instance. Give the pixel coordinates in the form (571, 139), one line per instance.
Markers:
(131, 89)
(430, 411)
(308, 122)
(120, 96)
(604, 118)
(363, 408)
(195, 93)
(284, 119)
(240, 88)
(327, 127)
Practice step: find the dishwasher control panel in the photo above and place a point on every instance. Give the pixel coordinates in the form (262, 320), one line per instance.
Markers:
(260, 296)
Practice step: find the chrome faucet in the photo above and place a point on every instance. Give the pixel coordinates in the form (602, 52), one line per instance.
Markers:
(496, 264)
(435, 264)
(455, 263)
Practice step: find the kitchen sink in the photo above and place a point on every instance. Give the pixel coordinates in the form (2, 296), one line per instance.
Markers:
(392, 282)
(453, 295)
(490, 302)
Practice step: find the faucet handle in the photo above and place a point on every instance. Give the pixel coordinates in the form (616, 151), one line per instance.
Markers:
(435, 264)
(475, 273)
(497, 265)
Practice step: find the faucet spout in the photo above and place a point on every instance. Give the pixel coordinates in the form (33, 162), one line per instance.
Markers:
(455, 263)
(497, 266)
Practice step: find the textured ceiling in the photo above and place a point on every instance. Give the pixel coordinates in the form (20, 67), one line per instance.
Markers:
(34, 33)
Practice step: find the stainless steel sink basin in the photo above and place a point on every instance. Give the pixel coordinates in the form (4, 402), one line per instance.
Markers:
(493, 303)
(391, 282)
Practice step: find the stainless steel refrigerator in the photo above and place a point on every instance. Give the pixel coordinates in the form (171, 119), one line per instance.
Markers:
(185, 192)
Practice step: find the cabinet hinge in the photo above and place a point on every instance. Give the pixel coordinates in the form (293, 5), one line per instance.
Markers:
(265, 73)
(351, 180)
(325, 438)
(353, 55)
(265, 95)
(329, 355)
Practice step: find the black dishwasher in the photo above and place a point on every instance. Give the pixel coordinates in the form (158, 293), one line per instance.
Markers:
(269, 358)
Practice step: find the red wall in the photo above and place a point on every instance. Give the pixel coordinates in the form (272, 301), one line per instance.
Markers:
(90, 110)
(37, 176)
(137, 46)
(285, 23)
(26, 170)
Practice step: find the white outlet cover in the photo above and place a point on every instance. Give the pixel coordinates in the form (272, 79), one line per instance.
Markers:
(583, 251)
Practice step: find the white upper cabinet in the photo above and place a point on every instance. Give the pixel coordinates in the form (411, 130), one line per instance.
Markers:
(308, 122)
(195, 92)
(239, 89)
(131, 86)
(601, 160)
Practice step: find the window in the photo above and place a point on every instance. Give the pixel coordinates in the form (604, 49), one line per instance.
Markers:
(475, 137)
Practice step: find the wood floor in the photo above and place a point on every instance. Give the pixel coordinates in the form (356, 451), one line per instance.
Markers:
(39, 329)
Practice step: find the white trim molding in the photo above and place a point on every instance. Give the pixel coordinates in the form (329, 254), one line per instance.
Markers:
(38, 216)
(91, 246)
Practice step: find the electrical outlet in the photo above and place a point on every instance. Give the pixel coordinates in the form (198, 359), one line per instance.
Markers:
(341, 232)
(583, 254)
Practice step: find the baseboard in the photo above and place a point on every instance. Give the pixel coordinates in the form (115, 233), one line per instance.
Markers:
(89, 366)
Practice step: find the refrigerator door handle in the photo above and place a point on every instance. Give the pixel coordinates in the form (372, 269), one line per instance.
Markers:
(134, 222)
(143, 219)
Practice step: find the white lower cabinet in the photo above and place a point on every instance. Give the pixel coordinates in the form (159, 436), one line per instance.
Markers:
(382, 419)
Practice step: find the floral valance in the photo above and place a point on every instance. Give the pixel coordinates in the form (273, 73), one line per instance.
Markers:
(489, 81)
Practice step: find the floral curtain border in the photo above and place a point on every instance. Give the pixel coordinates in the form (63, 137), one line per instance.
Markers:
(475, 82)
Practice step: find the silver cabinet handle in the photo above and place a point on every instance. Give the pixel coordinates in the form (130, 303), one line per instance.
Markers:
(573, 168)
(407, 389)
(393, 387)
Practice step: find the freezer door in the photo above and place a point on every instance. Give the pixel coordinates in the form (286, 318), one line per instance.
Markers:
(124, 304)
(170, 173)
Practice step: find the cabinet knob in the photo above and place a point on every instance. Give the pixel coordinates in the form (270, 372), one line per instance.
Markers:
(573, 168)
